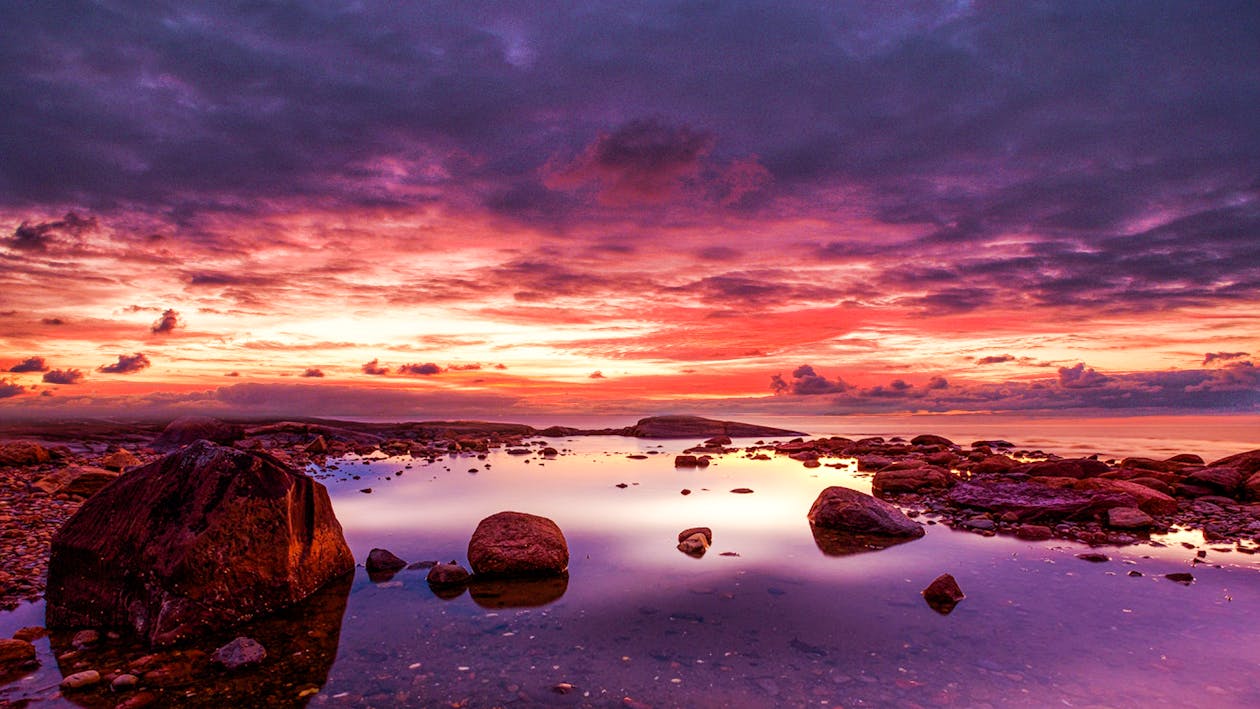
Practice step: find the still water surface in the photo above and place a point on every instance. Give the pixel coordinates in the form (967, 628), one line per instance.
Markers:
(777, 623)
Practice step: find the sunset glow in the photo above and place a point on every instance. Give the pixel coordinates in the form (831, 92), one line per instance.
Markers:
(466, 210)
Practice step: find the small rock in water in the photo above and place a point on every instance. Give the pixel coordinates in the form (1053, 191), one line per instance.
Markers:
(81, 680)
(448, 574)
(1135, 572)
(708, 533)
(742, 491)
(241, 652)
(366, 491)
(943, 594)
(562, 688)
(695, 545)
(1093, 557)
(685, 491)
(1034, 532)
(623, 486)
(15, 653)
(1181, 577)
(383, 560)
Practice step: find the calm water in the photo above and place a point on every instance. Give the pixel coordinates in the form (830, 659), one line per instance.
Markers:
(781, 623)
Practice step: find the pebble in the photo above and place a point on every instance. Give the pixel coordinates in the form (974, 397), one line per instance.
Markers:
(81, 680)
(124, 682)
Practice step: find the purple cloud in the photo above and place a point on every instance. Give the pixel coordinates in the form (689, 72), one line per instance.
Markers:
(166, 324)
(995, 359)
(126, 364)
(10, 388)
(1212, 357)
(312, 372)
(63, 376)
(1079, 376)
(375, 369)
(424, 370)
(30, 364)
(805, 381)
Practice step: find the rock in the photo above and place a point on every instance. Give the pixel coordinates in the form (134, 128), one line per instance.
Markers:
(189, 429)
(383, 561)
(844, 510)
(81, 481)
(1034, 532)
(993, 464)
(896, 482)
(1128, 518)
(1181, 577)
(708, 534)
(1149, 500)
(690, 461)
(448, 574)
(718, 441)
(197, 541)
(695, 545)
(23, 453)
(943, 594)
(241, 652)
(85, 639)
(1248, 463)
(1251, 488)
(742, 491)
(317, 447)
(80, 680)
(30, 633)
(1093, 557)
(120, 460)
(124, 682)
(549, 452)
(928, 439)
(1218, 478)
(14, 654)
(1032, 501)
(1190, 458)
(996, 443)
(697, 427)
(515, 543)
(519, 592)
(1063, 468)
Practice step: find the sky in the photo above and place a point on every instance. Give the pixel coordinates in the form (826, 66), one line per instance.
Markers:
(504, 209)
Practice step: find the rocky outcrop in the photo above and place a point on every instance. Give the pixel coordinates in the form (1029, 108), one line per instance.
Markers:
(840, 509)
(697, 427)
(189, 429)
(199, 540)
(23, 453)
(1034, 502)
(516, 543)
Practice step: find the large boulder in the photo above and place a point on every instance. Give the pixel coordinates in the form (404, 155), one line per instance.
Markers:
(1221, 479)
(898, 481)
(1149, 500)
(1031, 501)
(202, 539)
(189, 429)
(23, 453)
(841, 509)
(515, 544)
(1063, 468)
(1248, 463)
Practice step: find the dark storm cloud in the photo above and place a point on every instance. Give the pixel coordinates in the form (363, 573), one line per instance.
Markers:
(167, 323)
(37, 237)
(424, 370)
(126, 364)
(30, 364)
(9, 388)
(63, 376)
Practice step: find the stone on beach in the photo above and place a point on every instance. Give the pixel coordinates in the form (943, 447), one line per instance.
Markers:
(841, 509)
(199, 540)
(1128, 518)
(75, 480)
(241, 652)
(81, 680)
(515, 543)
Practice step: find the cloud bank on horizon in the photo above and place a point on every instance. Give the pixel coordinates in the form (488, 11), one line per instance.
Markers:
(824, 207)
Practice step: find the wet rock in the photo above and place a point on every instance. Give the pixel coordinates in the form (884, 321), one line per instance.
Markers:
(383, 561)
(1149, 500)
(896, 482)
(943, 594)
(690, 461)
(1248, 463)
(30, 633)
(718, 441)
(120, 460)
(78, 481)
(995, 443)
(1251, 488)
(199, 540)
(189, 429)
(992, 464)
(319, 446)
(448, 574)
(519, 592)
(1218, 478)
(1093, 557)
(1034, 532)
(124, 683)
(15, 654)
(841, 509)
(549, 452)
(694, 545)
(1128, 518)
(928, 439)
(1032, 501)
(742, 491)
(80, 680)
(708, 533)
(1181, 577)
(1063, 468)
(23, 453)
(1190, 458)
(241, 652)
(85, 639)
(512, 543)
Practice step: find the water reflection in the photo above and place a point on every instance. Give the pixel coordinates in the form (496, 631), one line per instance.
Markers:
(518, 592)
(833, 542)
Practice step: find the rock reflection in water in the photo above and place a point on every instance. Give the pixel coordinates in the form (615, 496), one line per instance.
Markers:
(301, 643)
(837, 543)
(528, 592)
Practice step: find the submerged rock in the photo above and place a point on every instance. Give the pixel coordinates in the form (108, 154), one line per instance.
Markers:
(241, 652)
(15, 654)
(515, 543)
(840, 509)
(943, 594)
(199, 540)
(526, 592)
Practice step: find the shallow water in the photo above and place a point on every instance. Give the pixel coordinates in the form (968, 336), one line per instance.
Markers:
(782, 623)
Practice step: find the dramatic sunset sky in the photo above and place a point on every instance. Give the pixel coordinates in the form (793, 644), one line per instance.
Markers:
(498, 209)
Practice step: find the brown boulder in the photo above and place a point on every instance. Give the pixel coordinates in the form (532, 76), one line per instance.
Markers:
(1251, 488)
(515, 543)
(189, 429)
(15, 654)
(197, 541)
(448, 574)
(1063, 468)
(697, 427)
(78, 481)
(943, 594)
(841, 509)
(1190, 458)
(1033, 501)
(1248, 463)
(120, 460)
(708, 533)
(1128, 518)
(383, 561)
(1149, 500)
(895, 482)
(1218, 478)
(690, 461)
(928, 439)
(993, 464)
(23, 453)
